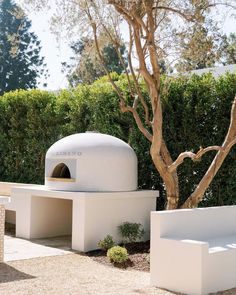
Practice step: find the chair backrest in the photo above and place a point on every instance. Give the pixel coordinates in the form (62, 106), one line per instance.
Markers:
(200, 223)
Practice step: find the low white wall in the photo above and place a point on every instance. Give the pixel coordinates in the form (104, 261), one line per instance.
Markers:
(103, 216)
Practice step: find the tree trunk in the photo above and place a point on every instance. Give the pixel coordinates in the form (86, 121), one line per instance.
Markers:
(172, 192)
(170, 179)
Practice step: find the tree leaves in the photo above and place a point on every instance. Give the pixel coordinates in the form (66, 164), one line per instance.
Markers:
(20, 59)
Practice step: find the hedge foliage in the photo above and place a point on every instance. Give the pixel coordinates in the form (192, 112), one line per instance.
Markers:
(196, 113)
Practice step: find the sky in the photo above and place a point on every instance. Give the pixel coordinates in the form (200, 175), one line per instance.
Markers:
(57, 51)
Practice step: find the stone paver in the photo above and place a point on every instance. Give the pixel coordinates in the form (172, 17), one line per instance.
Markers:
(18, 249)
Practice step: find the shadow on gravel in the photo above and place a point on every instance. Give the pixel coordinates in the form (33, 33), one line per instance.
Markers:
(10, 274)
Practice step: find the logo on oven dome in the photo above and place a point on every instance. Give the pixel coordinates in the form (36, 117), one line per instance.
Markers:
(68, 153)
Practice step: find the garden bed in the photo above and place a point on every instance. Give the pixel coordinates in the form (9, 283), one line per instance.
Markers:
(139, 257)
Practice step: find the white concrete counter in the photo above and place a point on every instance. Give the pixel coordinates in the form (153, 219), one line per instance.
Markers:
(4, 200)
(88, 216)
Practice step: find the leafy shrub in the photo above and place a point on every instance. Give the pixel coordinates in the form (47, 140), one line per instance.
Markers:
(131, 232)
(117, 254)
(106, 243)
(29, 126)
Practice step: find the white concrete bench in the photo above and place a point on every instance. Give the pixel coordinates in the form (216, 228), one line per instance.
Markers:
(193, 251)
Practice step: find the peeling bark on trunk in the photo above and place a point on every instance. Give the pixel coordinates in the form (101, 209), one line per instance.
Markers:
(170, 179)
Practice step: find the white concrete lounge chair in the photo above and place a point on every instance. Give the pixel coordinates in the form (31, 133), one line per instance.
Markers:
(193, 251)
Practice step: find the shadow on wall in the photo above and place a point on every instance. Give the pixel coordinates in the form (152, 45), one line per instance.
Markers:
(10, 274)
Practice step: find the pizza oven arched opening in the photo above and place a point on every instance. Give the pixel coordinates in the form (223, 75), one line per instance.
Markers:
(61, 171)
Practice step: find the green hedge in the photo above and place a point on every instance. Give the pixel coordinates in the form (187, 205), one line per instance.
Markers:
(29, 125)
(196, 113)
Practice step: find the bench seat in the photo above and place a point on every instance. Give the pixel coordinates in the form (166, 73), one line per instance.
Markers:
(221, 244)
(218, 244)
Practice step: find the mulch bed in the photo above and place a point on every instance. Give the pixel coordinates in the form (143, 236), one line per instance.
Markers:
(139, 257)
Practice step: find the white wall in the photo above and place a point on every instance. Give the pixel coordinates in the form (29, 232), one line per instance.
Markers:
(50, 217)
(104, 216)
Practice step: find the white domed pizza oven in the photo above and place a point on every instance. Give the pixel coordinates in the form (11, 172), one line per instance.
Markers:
(91, 162)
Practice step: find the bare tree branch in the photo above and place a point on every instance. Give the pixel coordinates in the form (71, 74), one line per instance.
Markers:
(185, 16)
(138, 121)
(192, 156)
(121, 9)
(137, 87)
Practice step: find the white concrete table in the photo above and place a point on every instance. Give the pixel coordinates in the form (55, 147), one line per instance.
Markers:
(3, 202)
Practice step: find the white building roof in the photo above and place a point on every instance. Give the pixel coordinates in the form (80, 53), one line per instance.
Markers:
(216, 71)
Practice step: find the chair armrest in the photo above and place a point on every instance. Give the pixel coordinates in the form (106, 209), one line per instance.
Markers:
(177, 259)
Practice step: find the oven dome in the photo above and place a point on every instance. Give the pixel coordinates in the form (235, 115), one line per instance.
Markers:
(91, 162)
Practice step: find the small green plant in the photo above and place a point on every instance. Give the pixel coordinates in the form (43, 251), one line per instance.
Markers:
(106, 243)
(131, 232)
(117, 254)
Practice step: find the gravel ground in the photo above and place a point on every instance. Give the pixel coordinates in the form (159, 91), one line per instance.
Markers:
(73, 274)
